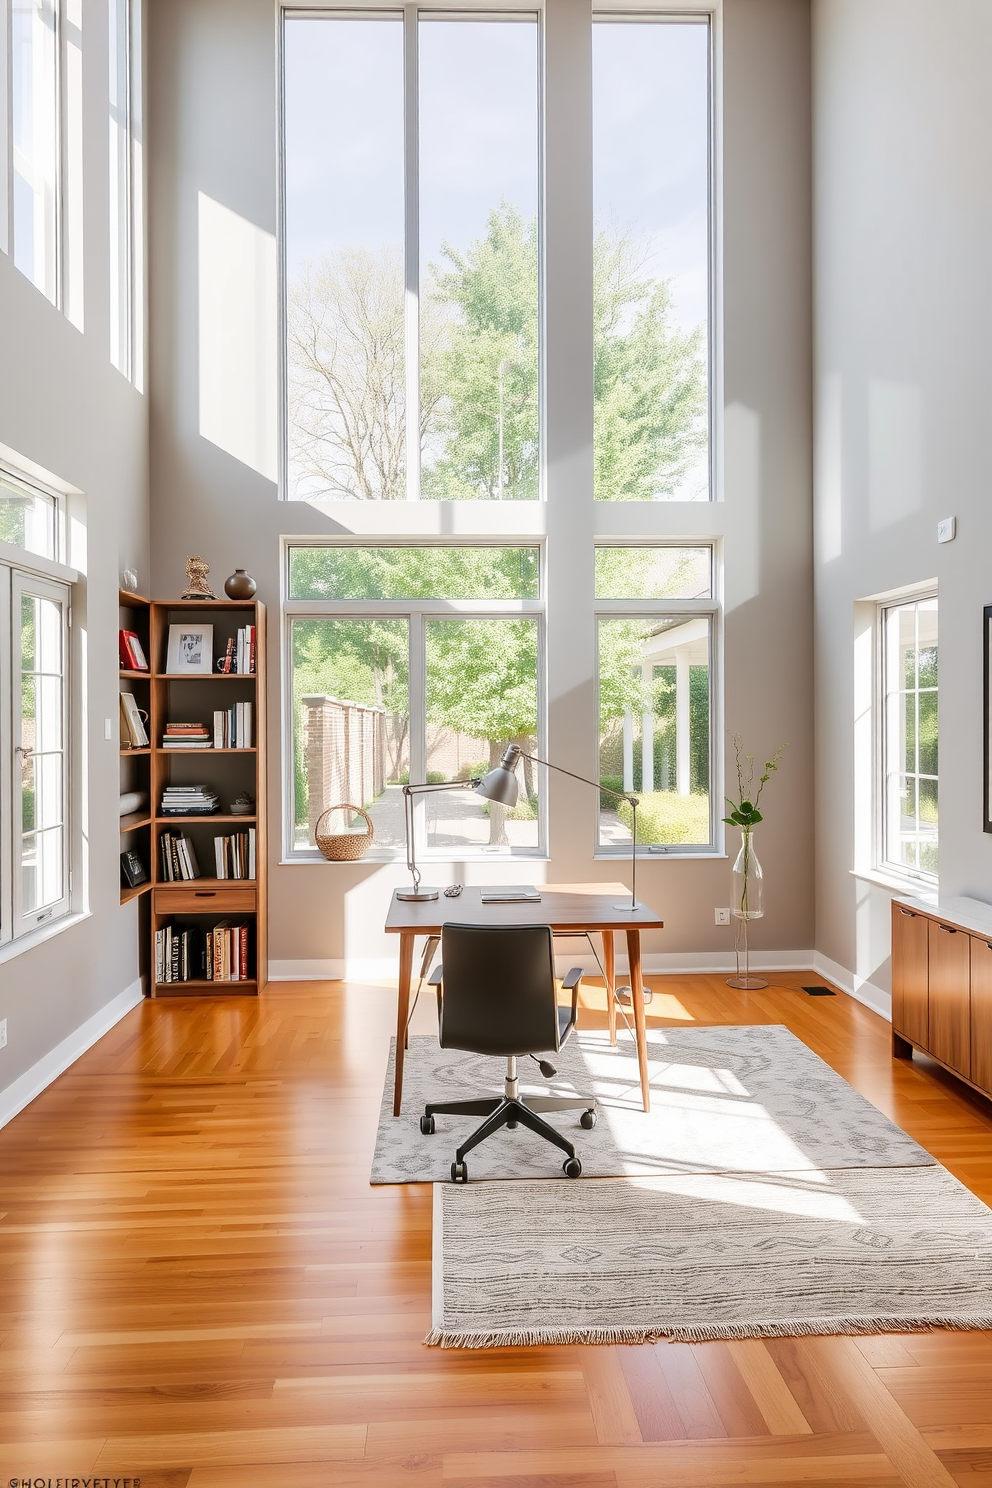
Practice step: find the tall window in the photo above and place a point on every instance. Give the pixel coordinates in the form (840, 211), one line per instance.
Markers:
(651, 257)
(124, 19)
(909, 742)
(411, 241)
(35, 131)
(655, 695)
(415, 662)
(29, 517)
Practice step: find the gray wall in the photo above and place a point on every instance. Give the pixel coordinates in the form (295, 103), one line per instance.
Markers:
(63, 407)
(213, 99)
(903, 213)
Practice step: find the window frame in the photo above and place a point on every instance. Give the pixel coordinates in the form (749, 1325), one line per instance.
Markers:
(125, 190)
(654, 609)
(59, 286)
(417, 612)
(915, 878)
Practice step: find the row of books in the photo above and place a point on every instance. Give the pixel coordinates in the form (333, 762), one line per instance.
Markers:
(234, 856)
(239, 653)
(189, 800)
(131, 652)
(233, 726)
(178, 857)
(191, 954)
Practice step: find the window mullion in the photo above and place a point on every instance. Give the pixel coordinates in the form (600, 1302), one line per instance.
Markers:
(418, 720)
(411, 248)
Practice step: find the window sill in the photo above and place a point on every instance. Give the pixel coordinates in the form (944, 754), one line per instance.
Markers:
(426, 865)
(705, 855)
(37, 937)
(913, 888)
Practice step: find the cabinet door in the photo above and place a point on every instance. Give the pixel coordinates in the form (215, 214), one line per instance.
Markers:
(950, 999)
(909, 974)
(981, 1012)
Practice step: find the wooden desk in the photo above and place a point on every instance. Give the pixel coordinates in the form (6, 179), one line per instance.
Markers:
(567, 908)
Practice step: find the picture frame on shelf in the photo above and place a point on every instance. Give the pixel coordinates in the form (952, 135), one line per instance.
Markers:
(133, 871)
(191, 649)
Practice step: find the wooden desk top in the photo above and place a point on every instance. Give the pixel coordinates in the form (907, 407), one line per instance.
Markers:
(562, 906)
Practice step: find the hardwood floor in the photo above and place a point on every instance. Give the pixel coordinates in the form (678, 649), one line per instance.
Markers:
(199, 1288)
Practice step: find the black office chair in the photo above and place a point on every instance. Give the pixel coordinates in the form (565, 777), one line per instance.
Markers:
(496, 994)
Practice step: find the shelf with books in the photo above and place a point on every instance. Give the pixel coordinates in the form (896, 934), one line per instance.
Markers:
(190, 716)
(133, 646)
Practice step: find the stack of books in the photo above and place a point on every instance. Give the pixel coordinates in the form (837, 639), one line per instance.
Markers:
(180, 954)
(239, 653)
(235, 855)
(186, 736)
(232, 727)
(227, 952)
(189, 800)
(178, 858)
(132, 656)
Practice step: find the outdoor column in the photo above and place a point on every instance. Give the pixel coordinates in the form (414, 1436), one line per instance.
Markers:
(682, 773)
(647, 731)
(628, 751)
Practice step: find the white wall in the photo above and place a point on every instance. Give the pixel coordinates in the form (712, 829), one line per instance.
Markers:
(903, 214)
(213, 92)
(63, 407)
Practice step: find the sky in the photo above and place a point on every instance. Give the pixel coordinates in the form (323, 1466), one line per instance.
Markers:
(479, 137)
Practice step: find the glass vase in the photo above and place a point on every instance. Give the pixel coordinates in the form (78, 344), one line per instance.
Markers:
(748, 883)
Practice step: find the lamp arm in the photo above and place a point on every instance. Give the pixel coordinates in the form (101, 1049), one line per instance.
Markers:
(619, 795)
(409, 791)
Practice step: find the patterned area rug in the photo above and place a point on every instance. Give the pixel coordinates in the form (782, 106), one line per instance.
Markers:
(723, 1100)
(696, 1257)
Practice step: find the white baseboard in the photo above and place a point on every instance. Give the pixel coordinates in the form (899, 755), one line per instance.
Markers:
(51, 1065)
(720, 963)
(860, 988)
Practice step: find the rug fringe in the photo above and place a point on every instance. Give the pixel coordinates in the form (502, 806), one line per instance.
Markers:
(709, 1333)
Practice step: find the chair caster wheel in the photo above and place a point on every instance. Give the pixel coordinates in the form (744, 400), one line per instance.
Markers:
(512, 1125)
(459, 1172)
(572, 1168)
(587, 1120)
(427, 1125)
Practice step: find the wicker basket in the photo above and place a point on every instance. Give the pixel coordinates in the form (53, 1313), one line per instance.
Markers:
(343, 847)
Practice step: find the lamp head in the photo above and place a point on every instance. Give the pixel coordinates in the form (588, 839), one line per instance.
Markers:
(500, 785)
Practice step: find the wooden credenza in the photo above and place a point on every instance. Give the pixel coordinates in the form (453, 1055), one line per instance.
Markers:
(942, 985)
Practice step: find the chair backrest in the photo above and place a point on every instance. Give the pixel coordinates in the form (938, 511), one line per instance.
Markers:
(498, 994)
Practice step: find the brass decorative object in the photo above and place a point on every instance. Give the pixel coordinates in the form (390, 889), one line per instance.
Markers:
(196, 580)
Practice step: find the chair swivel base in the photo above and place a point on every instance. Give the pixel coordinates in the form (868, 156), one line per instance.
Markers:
(510, 1112)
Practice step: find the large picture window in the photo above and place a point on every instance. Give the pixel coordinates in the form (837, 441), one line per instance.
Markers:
(414, 662)
(909, 737)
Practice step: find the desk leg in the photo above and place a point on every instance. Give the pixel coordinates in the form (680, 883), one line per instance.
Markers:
(637, 998)
(611, 983)
(407, 938)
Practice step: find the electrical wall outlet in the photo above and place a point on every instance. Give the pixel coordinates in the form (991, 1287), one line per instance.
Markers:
(108, 729)
(3, 1033)
(721, 916)
(947, 530)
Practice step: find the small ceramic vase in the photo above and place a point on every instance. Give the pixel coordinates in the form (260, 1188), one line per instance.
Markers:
(240, 585)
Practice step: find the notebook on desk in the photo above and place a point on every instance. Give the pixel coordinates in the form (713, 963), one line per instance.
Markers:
(510, 894)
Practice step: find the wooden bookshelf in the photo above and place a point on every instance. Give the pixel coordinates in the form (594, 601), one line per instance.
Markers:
(192, 698)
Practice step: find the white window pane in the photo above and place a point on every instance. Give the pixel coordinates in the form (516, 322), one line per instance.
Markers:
(41, 635)
(35, 141)
(654, 573)
(479, 316)
(346, 364)
(120, 184)
(27, 519)
(49, 805)
(42, 869)
(351, 723)
(651, 259)
(481, 696)
(909, 810)
(654, 706)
